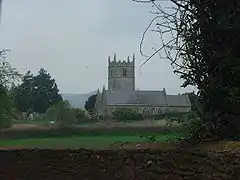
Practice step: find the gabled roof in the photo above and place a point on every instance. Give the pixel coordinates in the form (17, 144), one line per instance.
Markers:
(135, 97)
(121, 97)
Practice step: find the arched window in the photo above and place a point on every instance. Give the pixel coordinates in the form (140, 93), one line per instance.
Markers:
(111, 73)
(124, 72)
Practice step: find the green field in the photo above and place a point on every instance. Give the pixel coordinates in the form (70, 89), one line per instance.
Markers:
(92, 142)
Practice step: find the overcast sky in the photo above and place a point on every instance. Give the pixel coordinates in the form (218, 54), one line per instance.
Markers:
(72, 39)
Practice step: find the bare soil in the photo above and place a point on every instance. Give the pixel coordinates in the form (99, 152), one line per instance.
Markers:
(172, 164)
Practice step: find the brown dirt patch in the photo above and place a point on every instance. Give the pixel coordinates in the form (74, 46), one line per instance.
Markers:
(118, 165)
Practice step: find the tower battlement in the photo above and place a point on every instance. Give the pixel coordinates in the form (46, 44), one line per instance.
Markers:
(121, 63)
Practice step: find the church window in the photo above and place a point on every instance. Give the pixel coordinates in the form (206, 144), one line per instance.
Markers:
(111, 73)
(124, 72)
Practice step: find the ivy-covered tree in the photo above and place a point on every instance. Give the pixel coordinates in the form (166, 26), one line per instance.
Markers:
(201, 39)
(90, 104)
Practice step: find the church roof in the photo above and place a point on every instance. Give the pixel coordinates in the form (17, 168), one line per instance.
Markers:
(145, 98)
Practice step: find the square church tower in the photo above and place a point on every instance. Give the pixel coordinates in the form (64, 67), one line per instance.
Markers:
(121, 74)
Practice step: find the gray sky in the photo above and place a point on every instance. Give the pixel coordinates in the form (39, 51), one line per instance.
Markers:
(73, 38)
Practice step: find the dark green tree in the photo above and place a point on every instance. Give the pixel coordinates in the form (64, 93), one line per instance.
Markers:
(90, 104)
(24, 93)
(37, 93)
(45, 92)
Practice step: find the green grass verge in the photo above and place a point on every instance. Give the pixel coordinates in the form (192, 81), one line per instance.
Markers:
(78, 141)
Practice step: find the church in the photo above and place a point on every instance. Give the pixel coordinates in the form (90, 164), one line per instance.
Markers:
(121, 93)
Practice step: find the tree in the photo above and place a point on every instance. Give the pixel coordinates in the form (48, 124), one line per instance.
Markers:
(45, 92)
(90, 103)
(24, 93)
(194, 99)
(37, 93)
(204, 51)
(8, 75)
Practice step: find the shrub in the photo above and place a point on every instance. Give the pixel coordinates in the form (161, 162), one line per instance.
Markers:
(127, 114)
(80, 114)
(193, 130)
(62, 113)
(173, 116)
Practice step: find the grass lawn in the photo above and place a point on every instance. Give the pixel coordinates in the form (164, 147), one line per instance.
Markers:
(92, 142)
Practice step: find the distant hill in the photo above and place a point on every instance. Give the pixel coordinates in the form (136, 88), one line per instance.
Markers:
(77, 100)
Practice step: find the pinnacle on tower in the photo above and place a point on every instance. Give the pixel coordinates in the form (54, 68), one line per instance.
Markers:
(128, 59)
(109, 58)
(133, 57)
(115, 57)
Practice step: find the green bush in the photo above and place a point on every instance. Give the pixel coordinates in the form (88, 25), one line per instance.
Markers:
(125, 114)
(80, 115)
(62, 113)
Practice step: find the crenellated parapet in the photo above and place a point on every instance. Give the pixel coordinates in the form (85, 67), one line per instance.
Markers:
(119, 63)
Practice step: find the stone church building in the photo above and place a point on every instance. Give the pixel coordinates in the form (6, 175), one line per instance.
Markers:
(121, 93)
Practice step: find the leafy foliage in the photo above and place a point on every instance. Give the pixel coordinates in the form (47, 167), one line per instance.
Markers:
(8, 75)
(150, 138)
(90, 104)
(5, 109)
(173, 116)
(125, 114)
(194, 99)
(204, 51)
(37, 93)
(80, 115)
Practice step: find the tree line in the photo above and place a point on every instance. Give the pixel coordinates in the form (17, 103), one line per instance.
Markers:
(31, 93)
